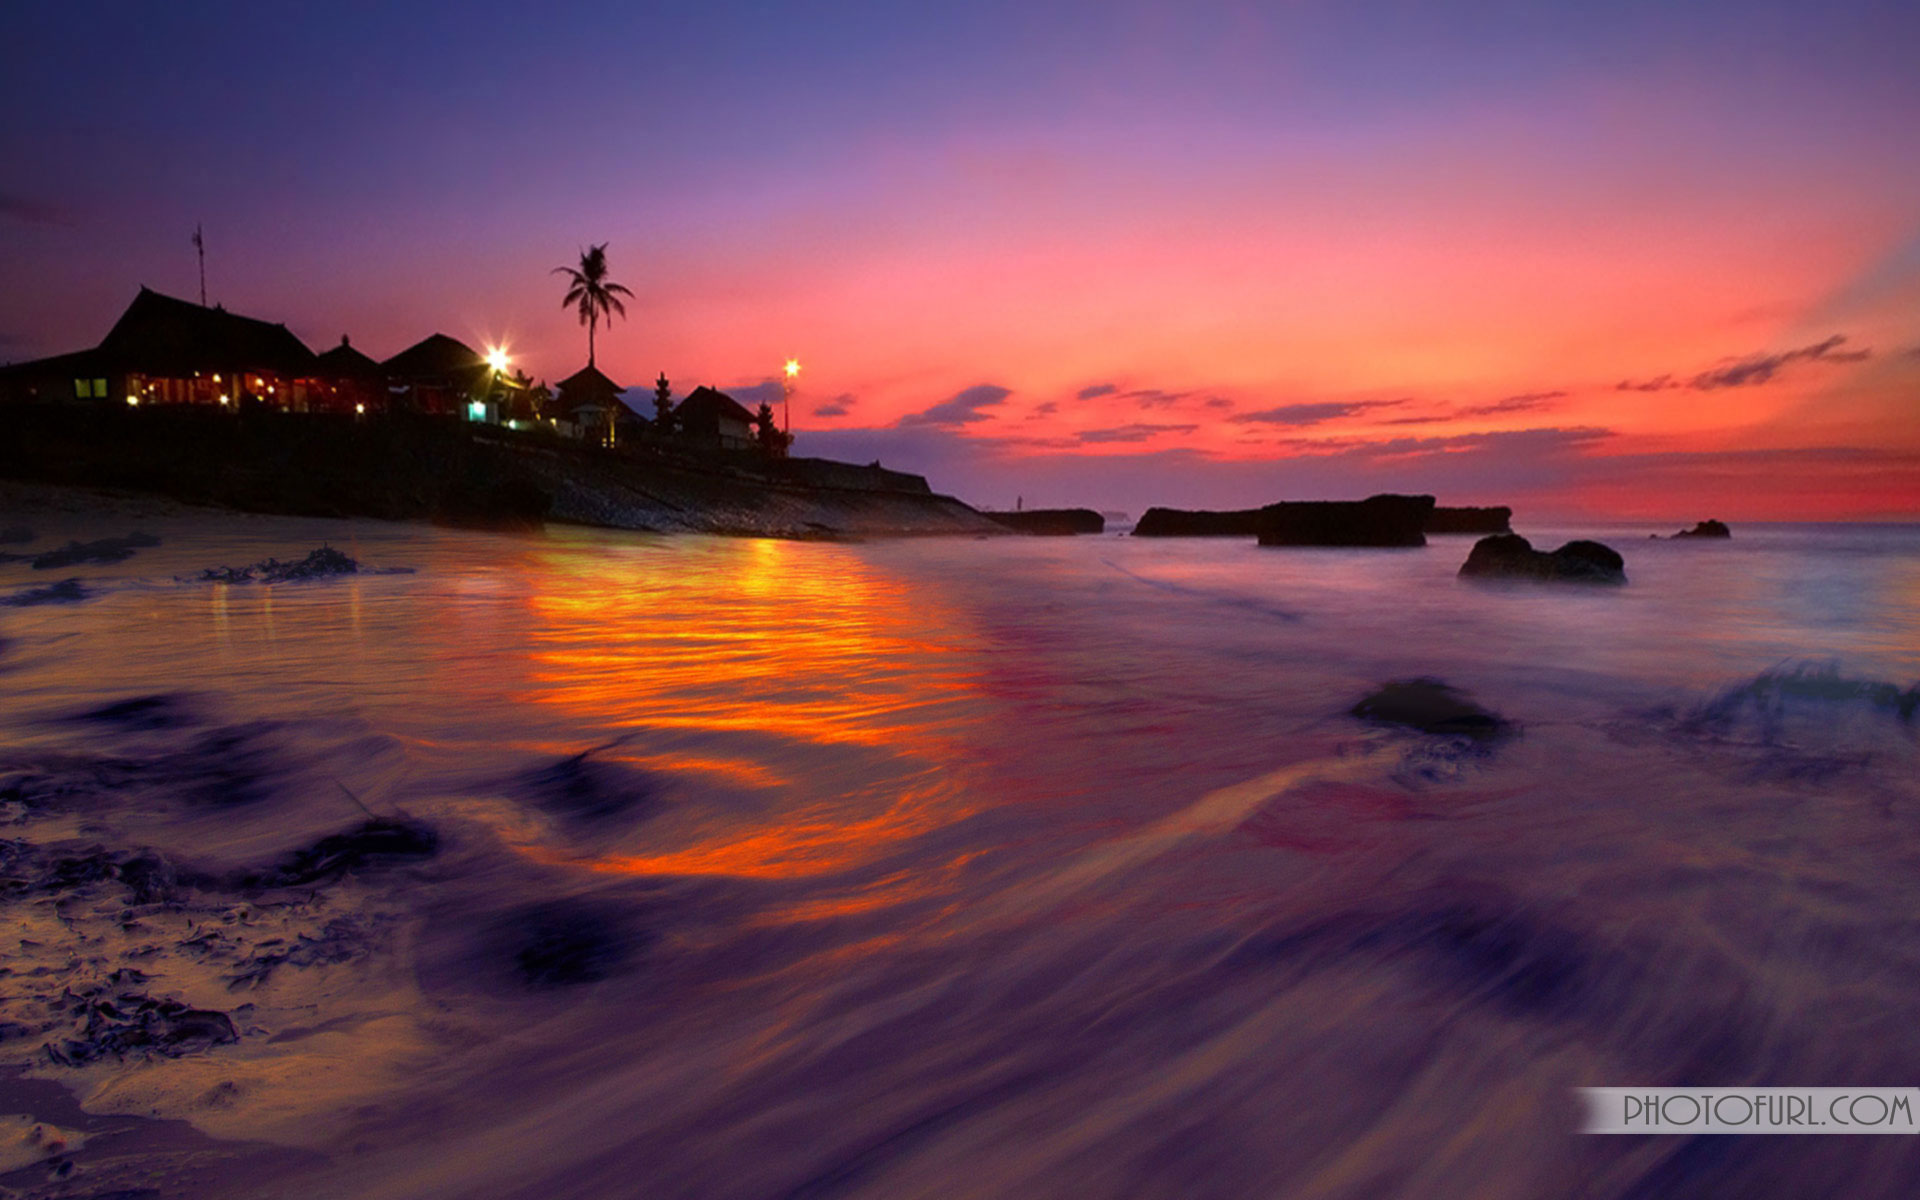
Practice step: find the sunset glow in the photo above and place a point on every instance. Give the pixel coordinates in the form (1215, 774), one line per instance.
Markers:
(1611, 260)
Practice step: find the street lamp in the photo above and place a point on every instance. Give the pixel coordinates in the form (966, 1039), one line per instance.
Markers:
(786, 393)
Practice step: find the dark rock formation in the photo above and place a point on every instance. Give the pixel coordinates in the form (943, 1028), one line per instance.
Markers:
(1176, 522)
(1052, 522)
(1708, 528)
(67, 591)
(1431, 706)
(1471, 520)
(376, 842)
(1510, 556)
(106, 550)
(318, 564)
(1375, 521)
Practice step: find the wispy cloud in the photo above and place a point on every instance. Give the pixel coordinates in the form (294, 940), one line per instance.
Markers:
(1310, 414)
(1136, 432)
(963, 408)
(1751, 371)
(1522, 403)
(33, 212)
(1093, 391)
(1045, 409)
(839, 406)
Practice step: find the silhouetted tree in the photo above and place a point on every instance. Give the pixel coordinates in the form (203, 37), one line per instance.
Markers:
(767, 433)
(591, 294)
(663, 405)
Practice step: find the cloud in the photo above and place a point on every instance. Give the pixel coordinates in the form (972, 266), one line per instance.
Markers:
(1155, 397)
(1131, 433)
(1913, 353)
(33, 212)
(1753, 370)
(753, 395)
(1095, 390)
(839, 406)
(1758, 369)
(1217, 402)
(963, 408)
(1659, 383)
(1044, 410)
(1524, 402)
(1310, 414)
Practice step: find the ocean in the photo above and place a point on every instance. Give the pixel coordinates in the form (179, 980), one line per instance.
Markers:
(598, 864)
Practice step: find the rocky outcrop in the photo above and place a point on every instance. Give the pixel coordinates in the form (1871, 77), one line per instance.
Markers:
(1375, 521)
(1708, 528)
(1430, 706)
(1052, 522)
(1471, 520)
(1178, 522)
(1510, 556)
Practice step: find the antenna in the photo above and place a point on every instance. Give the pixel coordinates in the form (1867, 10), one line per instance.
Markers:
(200, 245)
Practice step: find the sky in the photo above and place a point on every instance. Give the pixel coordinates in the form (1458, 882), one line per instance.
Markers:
(1644, 260)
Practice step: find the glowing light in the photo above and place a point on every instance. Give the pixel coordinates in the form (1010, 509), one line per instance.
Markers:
(477, 410)
(793, 367)
(216, 378)
(360, 408)
(133, 401)
(497, 358)
(223, 398)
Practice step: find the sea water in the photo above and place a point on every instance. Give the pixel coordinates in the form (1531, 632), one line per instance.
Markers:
(1002, 867)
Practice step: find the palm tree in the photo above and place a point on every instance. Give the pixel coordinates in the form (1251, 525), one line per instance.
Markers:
(591, 293)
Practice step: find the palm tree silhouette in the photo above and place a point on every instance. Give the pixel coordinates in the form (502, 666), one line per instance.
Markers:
(591, 293)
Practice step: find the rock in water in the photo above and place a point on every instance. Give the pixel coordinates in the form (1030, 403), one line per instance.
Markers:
(1708, 528)
(1052, 522)
(1510, 556)
(1498, 519)
(1431, 706)
(1375, 521)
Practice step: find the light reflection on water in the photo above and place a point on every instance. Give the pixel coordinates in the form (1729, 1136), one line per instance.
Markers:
(1056, 867)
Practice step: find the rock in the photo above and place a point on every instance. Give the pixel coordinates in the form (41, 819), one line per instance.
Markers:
(318, 564)
(1431, 706)
(106, 550)
(1052, 522)
(377, 842)
(1375, 521)
(67, 591)
(1175, 522)
(1708, 528)
(1510, 556)
(1471, 520)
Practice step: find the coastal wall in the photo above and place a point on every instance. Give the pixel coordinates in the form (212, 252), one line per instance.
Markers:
(427, 469)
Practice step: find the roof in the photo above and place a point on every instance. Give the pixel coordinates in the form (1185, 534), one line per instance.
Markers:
(706, 403)
(344, 362)
(588, 380)
(160, 335)
(433, 357)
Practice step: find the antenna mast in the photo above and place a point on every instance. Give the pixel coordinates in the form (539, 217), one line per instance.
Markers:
(200, 246)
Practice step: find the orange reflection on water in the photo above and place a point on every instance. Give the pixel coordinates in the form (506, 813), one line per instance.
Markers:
(828, 678)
